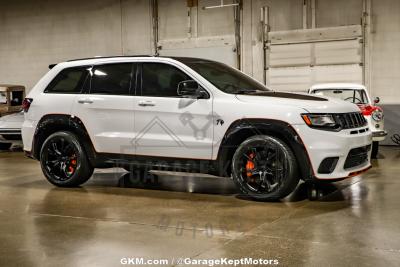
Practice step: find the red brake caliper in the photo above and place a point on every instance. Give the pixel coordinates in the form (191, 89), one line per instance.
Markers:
(72, 165)
(250, 165)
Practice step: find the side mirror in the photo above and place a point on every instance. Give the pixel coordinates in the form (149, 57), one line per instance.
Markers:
(191, 89)
(377, 100)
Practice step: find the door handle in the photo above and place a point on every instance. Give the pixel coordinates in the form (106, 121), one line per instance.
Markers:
(147, 103)
(85, 101)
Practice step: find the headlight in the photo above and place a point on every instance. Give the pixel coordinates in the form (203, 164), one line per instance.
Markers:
(377, 115)
(319, 120)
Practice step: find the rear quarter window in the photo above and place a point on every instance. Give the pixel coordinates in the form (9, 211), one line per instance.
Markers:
(68, 81)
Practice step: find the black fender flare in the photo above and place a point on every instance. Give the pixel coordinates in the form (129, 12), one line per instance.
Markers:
(242, 129)
(52, 123)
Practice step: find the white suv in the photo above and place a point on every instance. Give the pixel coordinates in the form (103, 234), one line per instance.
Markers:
(192, 115)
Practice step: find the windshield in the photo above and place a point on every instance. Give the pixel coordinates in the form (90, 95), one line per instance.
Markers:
(355, 96)
(225, 78)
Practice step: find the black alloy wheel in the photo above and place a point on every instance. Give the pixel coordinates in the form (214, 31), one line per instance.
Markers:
(265, 168)
(63, 160)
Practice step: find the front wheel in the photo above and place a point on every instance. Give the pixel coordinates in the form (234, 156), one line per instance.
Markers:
(64, 161)
(265, 168)
(375, 150)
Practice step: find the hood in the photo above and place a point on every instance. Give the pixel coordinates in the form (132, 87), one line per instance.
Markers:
(310, 103)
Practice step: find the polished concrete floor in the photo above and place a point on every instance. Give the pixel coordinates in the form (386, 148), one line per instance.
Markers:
(114, 216)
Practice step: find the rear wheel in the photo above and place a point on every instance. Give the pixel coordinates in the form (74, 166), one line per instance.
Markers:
(265, 168)
(64, 161)
(375, 149)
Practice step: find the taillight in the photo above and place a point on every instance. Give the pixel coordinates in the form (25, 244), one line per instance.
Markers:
(26, 104)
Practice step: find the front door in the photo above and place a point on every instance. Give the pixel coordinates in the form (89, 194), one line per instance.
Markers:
(166, 124)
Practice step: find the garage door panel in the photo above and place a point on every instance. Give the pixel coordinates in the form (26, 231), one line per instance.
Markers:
(290, 55)
(289, 79)
(338, 52)
(300, 63)
(220, 48)
(295, 79)
(339, 73)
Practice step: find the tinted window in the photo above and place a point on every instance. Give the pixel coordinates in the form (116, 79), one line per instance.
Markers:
(225, 78)
(68, 81)
(161, 79)
(112, 79)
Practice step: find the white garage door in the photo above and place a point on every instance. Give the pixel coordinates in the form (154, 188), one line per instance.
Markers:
(298, 59)
(220, 48)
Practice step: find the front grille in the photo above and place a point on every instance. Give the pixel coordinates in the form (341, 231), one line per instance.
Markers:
(351, 120)
(357, 157)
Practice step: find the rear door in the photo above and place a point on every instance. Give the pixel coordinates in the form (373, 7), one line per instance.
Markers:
(107, 107)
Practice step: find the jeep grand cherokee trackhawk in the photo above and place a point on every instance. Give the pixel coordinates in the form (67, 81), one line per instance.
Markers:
(192, 115)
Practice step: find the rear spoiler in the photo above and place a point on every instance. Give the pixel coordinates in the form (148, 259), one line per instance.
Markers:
(52, 66)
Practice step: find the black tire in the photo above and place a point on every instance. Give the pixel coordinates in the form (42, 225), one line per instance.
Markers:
(375, 150)
(64, 161)
(274, 168)
(5, 146)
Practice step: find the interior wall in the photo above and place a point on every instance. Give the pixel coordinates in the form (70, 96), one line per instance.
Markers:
(35, 34)
(136, 27)
(338, 13)
(385, 34)
(385, 61)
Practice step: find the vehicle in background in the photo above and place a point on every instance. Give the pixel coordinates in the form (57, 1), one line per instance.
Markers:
(11, 98)
(357, 94)
(10, 130)
(11, 117)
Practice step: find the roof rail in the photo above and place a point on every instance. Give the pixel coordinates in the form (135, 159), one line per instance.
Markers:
(107, 57)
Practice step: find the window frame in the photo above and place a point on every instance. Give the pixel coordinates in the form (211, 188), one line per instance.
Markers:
(139, 80)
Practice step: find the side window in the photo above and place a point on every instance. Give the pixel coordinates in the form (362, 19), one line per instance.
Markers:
(112, 79)
(161, 79)
(68, 81)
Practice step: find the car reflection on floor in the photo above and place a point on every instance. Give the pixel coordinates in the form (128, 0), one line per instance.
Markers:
(204, 184)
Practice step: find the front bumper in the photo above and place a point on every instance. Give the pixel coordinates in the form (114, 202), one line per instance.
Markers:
(321, 145)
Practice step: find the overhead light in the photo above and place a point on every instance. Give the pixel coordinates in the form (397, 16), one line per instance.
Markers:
(221, 5)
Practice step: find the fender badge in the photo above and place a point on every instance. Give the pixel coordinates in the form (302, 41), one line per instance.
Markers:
(220, 122)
